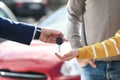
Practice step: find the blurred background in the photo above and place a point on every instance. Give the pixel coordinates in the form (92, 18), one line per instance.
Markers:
(33, 10)
(36, 61)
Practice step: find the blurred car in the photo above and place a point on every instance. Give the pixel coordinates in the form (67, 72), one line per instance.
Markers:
(8, 2)
(38, 61)
(28, 8)
(56, 20)
(7, 13)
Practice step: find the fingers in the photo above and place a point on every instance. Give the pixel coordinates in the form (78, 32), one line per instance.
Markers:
(60, 57)
(57, 33)
(84, 62)
(91, 62)
(66, 57)
(50, 35)
(52, 39)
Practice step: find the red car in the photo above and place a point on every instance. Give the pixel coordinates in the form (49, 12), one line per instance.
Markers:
(36, 61)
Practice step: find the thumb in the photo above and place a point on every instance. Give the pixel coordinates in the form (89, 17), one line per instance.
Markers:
(91, 62)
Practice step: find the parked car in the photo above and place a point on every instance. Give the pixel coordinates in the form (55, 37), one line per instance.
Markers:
(37, 61)
(7, 13)
(8, 2)
(28, 8)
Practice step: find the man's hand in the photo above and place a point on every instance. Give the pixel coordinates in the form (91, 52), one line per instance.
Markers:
(50, 35)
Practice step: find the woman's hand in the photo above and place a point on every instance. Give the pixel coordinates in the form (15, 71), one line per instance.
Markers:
(68, 56)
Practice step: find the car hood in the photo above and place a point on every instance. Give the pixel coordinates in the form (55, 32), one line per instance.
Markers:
(37, 56)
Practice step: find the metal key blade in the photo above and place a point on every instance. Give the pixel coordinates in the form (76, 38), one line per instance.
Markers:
(59, 48)
(59, 42)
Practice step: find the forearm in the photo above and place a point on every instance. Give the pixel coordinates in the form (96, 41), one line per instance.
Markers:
(75, 9)
(15, 31)
(73, 34)
(107, 48)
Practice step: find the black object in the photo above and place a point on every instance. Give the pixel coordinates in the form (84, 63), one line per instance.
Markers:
(22, 76)
(59, 40)
(37, 34)
(84, 31)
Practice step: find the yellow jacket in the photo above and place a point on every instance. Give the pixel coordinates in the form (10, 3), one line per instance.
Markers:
(107, 48)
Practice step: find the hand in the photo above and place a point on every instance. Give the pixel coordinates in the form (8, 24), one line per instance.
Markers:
(68, 56)
(84, 62)
(74, 53)
(50, 35)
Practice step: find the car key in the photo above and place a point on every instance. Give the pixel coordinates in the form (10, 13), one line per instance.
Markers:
(59, 41)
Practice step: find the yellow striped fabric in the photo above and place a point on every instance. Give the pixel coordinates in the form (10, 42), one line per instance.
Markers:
(107, 48)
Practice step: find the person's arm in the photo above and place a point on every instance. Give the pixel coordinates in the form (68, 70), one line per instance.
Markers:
(16, 31)
(25, 33)
(75, 10)
(107, 48)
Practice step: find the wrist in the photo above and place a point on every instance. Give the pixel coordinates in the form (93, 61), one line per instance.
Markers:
(37, 33)
(77, 52)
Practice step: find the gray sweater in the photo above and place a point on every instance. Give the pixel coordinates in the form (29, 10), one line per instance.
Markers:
(101, 18)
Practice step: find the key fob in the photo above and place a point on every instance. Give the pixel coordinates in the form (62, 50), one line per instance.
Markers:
(59, 40)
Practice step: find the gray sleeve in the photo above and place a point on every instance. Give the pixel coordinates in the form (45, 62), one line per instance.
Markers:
(75, 10)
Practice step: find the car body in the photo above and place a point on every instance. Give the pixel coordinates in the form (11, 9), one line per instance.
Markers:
(7, 13)
(28, 8)
(8, 2)
(37, 61)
